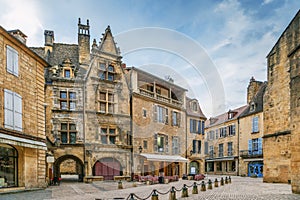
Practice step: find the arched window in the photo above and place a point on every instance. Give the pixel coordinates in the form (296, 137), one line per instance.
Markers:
(8, 166)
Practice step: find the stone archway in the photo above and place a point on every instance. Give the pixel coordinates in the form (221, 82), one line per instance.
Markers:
(108, 168)
(69, 165)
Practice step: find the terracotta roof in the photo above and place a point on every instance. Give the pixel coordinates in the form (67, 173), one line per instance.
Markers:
(213, 121)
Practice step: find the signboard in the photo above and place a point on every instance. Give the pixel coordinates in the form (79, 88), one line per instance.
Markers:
(50, 159)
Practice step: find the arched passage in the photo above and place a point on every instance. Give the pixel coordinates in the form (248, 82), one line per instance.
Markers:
(194, 168)
(69, 165)
(108, 168)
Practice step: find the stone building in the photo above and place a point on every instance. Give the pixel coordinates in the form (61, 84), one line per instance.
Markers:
(87, 115)
(221, 146)
(22, 117)
(281, 109)
(195, 137)
(251, 131)
(158, 124)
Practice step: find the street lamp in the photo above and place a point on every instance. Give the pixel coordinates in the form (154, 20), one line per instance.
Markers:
(191, 152)
(140, 149)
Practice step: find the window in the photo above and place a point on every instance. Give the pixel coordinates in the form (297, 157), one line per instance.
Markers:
(144, 113)
(197, 146)
(229, 149)
(175, 118)
(255, 124)
(194, 106)
(205, 148)
(221, 150)
(8, 166)
(223, 132)
(161, 114)
(12, 110)
(68, 133)
(12, 61)
(161, 143)
(67, 100)
(67, 73)
(145, 144)
(106, 102)
(175, 145)
(108, 135)
(255, 146)
(211, 151)
(106, 73)
(231, 130)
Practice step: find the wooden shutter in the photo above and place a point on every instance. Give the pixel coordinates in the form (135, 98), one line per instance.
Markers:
(155, 143)
(206, 148)
(250, 146)
(17, 112)
(9, 59)
(166, 114)
(260, 148)
(178, 119)
(203, 126)
(191, 126)
(16, 63)
(155, 113)
(8, 109)
(199, 127)
(167, 144)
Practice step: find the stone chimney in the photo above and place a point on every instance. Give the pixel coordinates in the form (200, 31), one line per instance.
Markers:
(49, 41)
(252, 89)
(19, 35)
(84, 44)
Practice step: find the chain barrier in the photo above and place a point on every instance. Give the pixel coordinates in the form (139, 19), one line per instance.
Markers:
(185, 187)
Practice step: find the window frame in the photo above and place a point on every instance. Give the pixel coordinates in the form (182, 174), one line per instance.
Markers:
(12, 60)
(13, 110)
(68, 132)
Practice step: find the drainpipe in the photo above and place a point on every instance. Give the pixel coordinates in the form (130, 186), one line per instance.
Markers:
(238, 148)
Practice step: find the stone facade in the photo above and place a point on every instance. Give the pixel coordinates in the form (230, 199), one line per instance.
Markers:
(251, 132)
(221, 147)
(281, 114)
(22, 121)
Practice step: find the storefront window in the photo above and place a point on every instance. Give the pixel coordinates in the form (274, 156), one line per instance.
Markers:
(8, 166)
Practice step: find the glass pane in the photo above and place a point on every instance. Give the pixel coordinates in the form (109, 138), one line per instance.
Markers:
(103, 96)
(72, 127)
(112, 131)
(102, 66)
(112, 139)
(72, 95)
(63, 105)
(110, 77)
(110, 68)
(64, 126)
(111, 108)
(64, 138)
(72, 138)
(103, 107)
(102, 75)
(63, 95)
(103, 130)
(104, 139)
(67, 73)
(111, 97)
(72, 105)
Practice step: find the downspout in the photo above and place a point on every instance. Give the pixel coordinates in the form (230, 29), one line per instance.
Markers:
(186, 143)
(85, 168)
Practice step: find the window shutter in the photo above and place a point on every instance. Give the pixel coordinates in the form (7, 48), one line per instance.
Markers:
(8, 109)
(173, 145)
(9, 59)
(178, 119)
(194, 146)
(17, 112)
(155, 143)
(16, 63)
(166, 116)
(178, 144)
(250, 146)
(203, 126)
(191, 126)
(206, 148)
(167, 144)
(260, 145)
(199, 127)
(199, 146)
(155, 113)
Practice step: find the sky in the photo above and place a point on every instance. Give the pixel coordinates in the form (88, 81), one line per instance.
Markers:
(211, 48)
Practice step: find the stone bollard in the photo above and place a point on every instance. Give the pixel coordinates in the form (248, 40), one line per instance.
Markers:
(226, 180)
(195, 188)
(229, 179)
(203, 187)
(209, 186)
(120, 185)
(154, 195)
(222, 181)
(216, 183)
(134, 184)
(172, 194)
(131, 196)
(184, 191)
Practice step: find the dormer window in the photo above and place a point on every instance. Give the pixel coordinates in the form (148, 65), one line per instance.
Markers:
(67, 73)
(230, 115)
(194, 106)
(252, 107)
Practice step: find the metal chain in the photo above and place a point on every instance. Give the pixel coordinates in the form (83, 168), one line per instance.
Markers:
(143, 198)
(177, 189)
(163, 193)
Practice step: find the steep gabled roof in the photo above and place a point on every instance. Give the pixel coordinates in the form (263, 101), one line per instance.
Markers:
(108, 44)
(191, 112)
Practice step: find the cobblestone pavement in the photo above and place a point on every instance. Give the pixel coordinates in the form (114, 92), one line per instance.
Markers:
(240, 188)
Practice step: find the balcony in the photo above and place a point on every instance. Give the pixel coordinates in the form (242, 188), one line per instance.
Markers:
(159, 97)
(251, 154)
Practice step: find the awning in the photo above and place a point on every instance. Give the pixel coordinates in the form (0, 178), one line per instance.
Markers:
(166, 158)
(13, 140)
(220, 159)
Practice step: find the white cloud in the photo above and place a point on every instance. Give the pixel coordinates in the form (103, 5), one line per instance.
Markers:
(265, 2)
(23, 15)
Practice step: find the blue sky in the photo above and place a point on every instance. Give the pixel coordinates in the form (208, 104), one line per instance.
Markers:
(233, 37)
